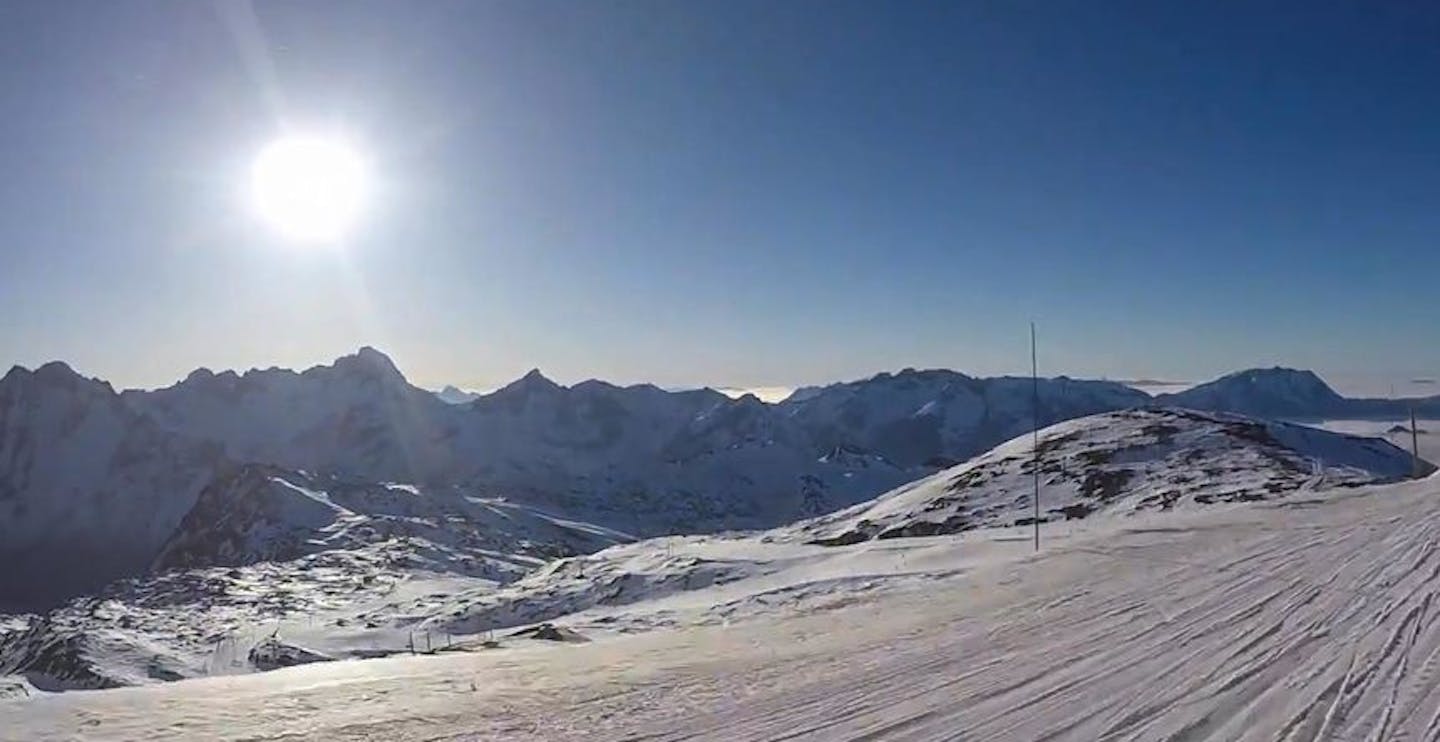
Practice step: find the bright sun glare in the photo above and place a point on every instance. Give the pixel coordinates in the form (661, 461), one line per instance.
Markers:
(309, 188)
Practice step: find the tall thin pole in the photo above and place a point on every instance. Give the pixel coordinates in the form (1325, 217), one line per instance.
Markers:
(1035, 434)
(1414, 443)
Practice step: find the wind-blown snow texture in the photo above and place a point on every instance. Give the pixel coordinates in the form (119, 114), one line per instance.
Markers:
(1300, 619)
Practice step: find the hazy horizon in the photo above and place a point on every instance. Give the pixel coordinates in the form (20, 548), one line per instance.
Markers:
(1353, 385)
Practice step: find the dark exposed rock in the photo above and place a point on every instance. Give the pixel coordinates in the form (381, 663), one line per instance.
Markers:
(272, 654)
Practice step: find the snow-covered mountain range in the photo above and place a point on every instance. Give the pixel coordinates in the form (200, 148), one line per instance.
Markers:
(636, 458)
(170, 526)
(324, 569)
(939, 417)
(94, 483)
(89, 488)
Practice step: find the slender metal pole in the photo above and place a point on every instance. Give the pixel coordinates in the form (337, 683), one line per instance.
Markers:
(1414, 444)
(1035, 434)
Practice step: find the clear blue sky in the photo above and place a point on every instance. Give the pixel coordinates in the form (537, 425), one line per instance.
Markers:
(731, 192)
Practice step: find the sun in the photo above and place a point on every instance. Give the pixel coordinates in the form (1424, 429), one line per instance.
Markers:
(309, 188)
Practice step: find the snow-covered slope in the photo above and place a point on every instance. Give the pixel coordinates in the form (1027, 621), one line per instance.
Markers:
(267, 555)
(88, 488)
(260, 513)
(356, 569)
(943, 417)
(1111, 465)
(1307, 619)
(1118, 462)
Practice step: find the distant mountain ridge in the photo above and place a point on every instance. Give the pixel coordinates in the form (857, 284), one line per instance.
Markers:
(94, 483)
(1280, 392)
(250, 497)
(89, 487)
(939, 417)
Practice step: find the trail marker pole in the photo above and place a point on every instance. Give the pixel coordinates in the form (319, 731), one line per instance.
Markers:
(1035, 434)
(1414, 444)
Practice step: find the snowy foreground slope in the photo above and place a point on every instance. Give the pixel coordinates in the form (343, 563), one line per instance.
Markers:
(1113, 464)
(1311, 617)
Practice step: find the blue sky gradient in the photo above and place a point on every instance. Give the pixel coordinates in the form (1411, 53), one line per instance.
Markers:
(737, 193)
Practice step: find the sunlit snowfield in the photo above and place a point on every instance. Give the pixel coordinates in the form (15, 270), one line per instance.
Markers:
(1304, 618)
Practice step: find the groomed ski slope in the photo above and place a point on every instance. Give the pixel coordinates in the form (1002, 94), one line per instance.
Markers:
(1313, 617)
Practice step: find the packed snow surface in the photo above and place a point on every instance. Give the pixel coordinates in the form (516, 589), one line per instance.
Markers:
(1306, 618)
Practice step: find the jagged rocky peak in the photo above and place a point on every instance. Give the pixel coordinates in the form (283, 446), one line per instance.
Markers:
(748, 400)
(56, 379)
(204, 375)
(367, 363)
(533, 382)
(87, 484)
(204, 379)
(54, 372)
(200, 375)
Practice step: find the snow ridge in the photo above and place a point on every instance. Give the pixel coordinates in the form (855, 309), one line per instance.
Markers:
(1118, 463)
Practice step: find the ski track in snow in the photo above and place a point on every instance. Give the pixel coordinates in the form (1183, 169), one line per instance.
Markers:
(1302, 619)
